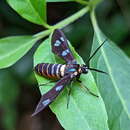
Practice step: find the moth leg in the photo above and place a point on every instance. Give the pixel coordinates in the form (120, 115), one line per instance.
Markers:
(68, 95)
(87, 90)
(79, 80)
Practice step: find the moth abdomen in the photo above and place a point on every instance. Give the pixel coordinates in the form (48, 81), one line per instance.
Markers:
(55, 71)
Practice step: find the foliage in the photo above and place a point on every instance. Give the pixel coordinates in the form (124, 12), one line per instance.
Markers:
(112, 60)
(85, 111)
(8, 100)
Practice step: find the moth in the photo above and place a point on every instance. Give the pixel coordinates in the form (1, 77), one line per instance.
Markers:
(64, 73)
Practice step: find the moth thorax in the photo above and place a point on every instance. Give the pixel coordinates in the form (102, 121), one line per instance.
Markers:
(80, 70)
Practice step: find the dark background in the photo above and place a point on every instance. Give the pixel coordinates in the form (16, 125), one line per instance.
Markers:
(19, 91)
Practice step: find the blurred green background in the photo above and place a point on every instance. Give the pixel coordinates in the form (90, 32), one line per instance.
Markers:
(19, 92)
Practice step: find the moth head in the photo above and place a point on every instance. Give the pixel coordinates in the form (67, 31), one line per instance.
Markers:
(84, 69)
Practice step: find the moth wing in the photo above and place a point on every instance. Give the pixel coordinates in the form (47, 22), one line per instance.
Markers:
(61, 48)
(50, 96)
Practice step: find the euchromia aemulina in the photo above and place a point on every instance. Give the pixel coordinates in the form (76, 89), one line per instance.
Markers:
(64, 73)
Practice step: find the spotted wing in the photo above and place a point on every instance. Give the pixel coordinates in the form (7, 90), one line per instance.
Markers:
(60, 47)
(49, 97)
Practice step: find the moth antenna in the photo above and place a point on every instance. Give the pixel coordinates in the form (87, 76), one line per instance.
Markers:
(96, 51)
(97, 70)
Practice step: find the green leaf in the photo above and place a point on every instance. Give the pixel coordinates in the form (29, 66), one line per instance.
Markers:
(32, 10)
(94, 2)
(85, 111)
(115, 88)
(60, 0)
(9, 91)
(13, 48)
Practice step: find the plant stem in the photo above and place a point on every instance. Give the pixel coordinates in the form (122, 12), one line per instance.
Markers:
(95, 26)
(82, 2)
(42, 34)
(63, 23)
(72, 18)
(94, 21)
(46, 25)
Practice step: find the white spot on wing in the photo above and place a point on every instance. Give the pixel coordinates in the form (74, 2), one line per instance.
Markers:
(58, 88)
(57, 43)
(65, 52)
(46, 102)
(62, 39)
